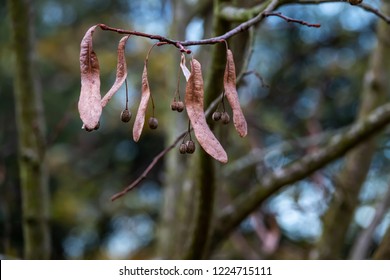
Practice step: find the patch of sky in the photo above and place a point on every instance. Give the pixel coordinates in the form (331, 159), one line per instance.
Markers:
(150, 16)
(298, 223)
(306, 105)
(194, 32)
(129, 234)
(364, 215)
(78, 241)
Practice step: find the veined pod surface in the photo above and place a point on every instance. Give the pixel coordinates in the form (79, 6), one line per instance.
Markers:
(194, 104)
(229, 82)
(143, 105)
(89, 105)
(121, 72)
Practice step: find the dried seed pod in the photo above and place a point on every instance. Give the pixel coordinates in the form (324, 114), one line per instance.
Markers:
(216, 116)
(153, 123)
(229, 82)
(174, 106)
(194, 107)
(125, 115)
(184, 68)
(121, 72)
(190, 147)
(180, 106)
(140, 118)
(183, 148)
(225, 118)
(89, 105)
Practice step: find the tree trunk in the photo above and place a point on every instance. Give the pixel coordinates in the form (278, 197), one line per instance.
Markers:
(349, 181)
(31, 135)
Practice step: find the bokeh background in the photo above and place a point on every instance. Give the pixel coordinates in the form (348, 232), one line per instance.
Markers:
(304, 86)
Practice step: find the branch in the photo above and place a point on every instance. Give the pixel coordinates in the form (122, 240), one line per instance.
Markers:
(161, 155)
(288, 19)
(149, 168)
(363, 6)
(234, 214)
(364, 241)
(182, 44)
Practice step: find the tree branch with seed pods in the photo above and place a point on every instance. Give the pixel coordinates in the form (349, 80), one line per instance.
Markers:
(91, 104)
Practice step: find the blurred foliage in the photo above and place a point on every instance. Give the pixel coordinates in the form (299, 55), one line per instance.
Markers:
(313, 78)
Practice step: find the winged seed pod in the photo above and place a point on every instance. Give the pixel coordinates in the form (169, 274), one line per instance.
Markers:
(121, 72)
(194, 106)
(229, 82)
(89, 105)
(183, 67)
(140, 118)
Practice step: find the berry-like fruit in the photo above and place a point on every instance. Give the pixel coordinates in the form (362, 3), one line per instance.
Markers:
(153, 123)
(190, 147)
(174, 105)
(97, 126)
(225, 118)
(125, 115)
(216, 116)
(180, 106)
(183, 148)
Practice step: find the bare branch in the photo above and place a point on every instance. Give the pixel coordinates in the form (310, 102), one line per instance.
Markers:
(365, 239)
(182, 44)
(157, 158)
(148, 169)
(363, 6)
(288, 19)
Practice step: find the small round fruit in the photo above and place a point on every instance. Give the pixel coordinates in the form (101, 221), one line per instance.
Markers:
(183, 148)
(174, 106)
(180, 106)
(190, 147)
(216, 116)
(125, 115)
(153, 123)
(225, 118)
(97, 126)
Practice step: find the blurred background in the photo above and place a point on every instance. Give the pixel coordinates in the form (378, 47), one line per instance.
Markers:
(303, 86)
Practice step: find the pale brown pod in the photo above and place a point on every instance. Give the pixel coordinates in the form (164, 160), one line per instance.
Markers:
(194, 107)
(229, 82)
(89, 105)
(121, 72)
(184, 68)
(143, 105)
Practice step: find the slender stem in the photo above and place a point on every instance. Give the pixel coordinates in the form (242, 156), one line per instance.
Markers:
(127, 96)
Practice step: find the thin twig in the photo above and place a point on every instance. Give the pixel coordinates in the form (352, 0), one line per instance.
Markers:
(288, 19)
(363, 6)
(182, 44)
(148, 169)
(161, 155)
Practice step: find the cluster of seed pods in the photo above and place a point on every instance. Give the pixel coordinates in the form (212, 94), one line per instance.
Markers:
(90, 103)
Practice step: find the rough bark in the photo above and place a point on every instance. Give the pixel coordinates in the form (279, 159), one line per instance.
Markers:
(349, 180)
(31, 135)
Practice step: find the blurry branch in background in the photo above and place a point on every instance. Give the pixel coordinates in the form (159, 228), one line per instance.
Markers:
(257, 155)
(158, 157)
(288, 19)
(232, 215)
(31, 134)
(383, 250)
(233, 13)
(360, 249)
(349, 180)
